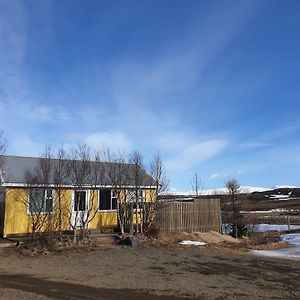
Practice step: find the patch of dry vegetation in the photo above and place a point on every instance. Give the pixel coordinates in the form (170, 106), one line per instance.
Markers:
(215, 241)
(44, 246)
(174, 238)
(265, 241)
(219, 242)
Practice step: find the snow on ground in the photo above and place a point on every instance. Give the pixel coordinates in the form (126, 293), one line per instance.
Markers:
(273, 210)
(192, 243)
(263, 227)
(289, 253)
(285, 187)
(218, 191)
(279, 197)
(270, 227)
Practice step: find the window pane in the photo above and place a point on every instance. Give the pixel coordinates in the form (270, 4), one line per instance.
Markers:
(80, 201)
(114, 201)
(105, 197)
(49, 193)
(130, 196)
(36, 200)
(141, 195)
(49, 201)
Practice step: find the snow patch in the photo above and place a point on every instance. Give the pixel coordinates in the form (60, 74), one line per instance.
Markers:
(288, 253)
(279, 197)
(270, 227)
(285, 187)
(217, 191)
(192, 243)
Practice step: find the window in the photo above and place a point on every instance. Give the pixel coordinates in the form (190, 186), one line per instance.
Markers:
(141, 196)
(80, 201)
(108, 199)
(40, 200)
(131, 196)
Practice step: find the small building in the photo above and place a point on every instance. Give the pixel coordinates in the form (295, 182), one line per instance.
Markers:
(67, 193)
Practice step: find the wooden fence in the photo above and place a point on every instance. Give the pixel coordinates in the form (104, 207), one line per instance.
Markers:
(202, 215)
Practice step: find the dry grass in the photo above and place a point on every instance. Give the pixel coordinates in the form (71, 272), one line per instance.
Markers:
(44, 246)
(211, 238)
(223, 243)
(265, 241)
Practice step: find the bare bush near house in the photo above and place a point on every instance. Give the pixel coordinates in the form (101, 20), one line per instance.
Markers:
(117, 172)
(84, 170)
(136, 159)
(61, 173)
(35, 201)
(131, 204)
(158, 172)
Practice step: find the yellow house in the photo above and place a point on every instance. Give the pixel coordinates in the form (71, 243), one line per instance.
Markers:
(37, 194)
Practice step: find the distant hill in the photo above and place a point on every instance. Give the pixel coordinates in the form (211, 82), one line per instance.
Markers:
(277, 194)
(280, 193)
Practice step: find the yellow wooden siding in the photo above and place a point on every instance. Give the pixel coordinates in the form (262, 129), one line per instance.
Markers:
(18, 221)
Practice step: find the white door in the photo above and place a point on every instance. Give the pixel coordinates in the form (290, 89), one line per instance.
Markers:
(80, 208)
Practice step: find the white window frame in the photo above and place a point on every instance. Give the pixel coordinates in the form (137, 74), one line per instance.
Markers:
(42, 212)
(111, 202)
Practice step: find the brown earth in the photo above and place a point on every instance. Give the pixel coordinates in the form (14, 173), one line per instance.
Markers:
(147, 273)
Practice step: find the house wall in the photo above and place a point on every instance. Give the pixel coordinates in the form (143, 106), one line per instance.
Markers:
(2, 208)
(17, 219)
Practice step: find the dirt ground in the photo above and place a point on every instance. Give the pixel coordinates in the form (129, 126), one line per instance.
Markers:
(147, 273)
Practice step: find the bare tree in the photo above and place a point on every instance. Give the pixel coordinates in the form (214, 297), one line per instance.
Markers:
(85, 175)
(3, 145)
(136, 159)
(197, 185)
(61, 175)
(233, 187)
(161, 182)
(40, 202)
(158, 172)
(117, 171)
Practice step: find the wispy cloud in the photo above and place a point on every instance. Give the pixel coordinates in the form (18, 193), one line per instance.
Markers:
(23, 144)
(190, 156)
(21, 109)
(167, 98)
(114, 140)
(179, 67)
(224, 175)
(253, 145)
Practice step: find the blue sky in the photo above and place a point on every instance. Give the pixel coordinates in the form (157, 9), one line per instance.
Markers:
(214, 85)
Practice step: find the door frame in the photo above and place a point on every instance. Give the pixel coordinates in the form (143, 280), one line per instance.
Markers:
(76, 216)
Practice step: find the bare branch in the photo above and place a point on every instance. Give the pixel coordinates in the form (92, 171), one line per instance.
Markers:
(158, 172)
(3, 143)
(197, 185)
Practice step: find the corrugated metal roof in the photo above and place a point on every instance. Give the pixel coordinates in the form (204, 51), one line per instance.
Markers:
(15, 171)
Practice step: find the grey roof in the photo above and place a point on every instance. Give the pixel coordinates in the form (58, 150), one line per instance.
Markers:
(28, 170)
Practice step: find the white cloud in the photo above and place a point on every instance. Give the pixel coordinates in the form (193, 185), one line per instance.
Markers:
(224, 175)
(192, 155)
(115, 141)
(216, 175)
(253, 145)
(23, 144)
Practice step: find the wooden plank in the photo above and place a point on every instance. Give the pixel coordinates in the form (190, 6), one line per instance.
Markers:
(202, 215)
